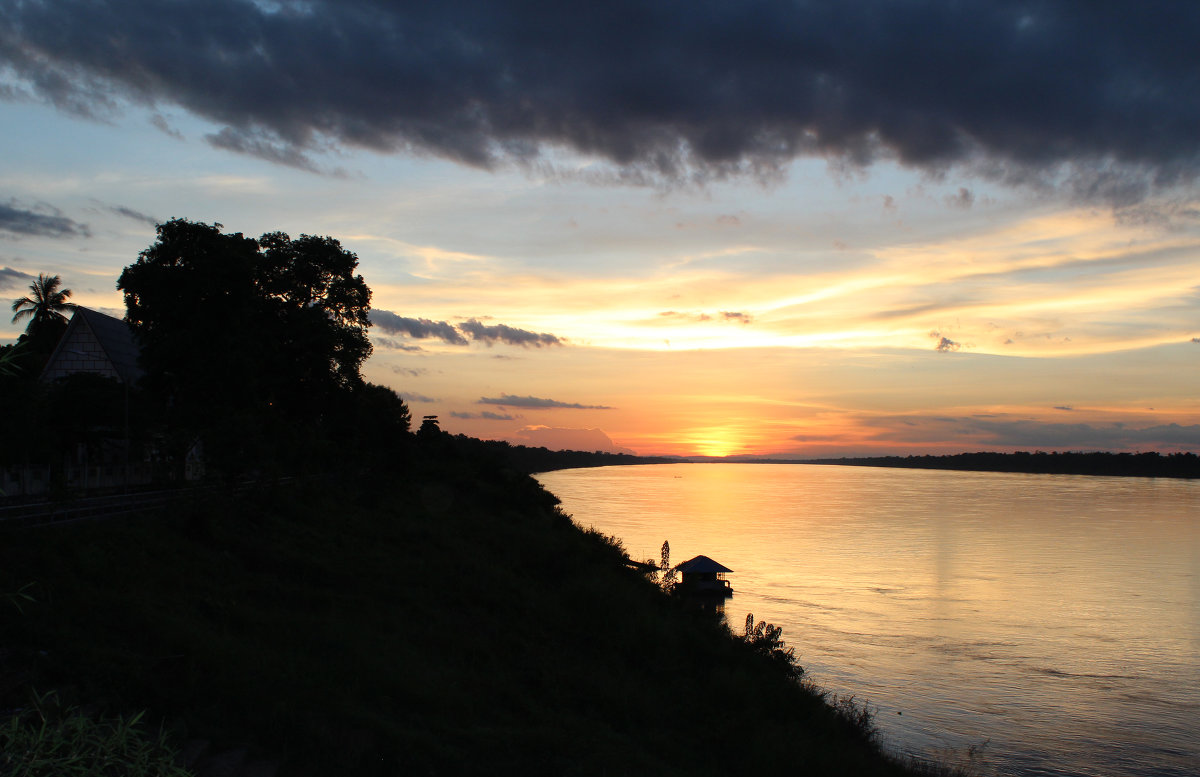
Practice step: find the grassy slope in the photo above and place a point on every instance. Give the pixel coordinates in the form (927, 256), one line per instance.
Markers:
(444, 625)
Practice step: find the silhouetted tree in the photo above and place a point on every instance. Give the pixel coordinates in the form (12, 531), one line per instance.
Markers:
(248, 341)
(311, 286)
(379, 421)
(46, 309)
(667, 572)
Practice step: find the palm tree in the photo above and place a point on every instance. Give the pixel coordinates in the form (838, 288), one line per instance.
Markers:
(47, 306)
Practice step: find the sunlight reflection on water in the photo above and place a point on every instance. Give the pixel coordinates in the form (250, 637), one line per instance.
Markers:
(1056, 618)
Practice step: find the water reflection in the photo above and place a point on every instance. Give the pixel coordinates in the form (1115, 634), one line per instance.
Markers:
(1057, 617)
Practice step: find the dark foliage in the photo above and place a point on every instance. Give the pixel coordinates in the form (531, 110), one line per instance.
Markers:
(83, 419)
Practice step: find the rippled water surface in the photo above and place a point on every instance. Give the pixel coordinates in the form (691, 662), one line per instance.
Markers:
(1050, 624)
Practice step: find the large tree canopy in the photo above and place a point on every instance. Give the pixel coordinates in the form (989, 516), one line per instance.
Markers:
(249, 334)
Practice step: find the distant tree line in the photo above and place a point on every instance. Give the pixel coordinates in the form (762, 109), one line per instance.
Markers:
(1151, 464)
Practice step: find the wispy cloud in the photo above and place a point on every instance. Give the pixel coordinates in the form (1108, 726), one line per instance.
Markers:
(395, 345)
(126, 212)
(268, 147)
(962, 199)
(136, 215)
(509, 400)
(486, 415)
(675, 316)
(162, 125)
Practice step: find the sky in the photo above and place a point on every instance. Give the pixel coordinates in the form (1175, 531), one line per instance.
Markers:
(686, 228)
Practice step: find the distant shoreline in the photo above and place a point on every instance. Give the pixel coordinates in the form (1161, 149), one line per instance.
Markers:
(1153, 465)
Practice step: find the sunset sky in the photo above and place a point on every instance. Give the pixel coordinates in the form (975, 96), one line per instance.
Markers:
(715, 228)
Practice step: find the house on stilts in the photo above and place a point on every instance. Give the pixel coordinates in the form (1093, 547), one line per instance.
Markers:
(702, 575)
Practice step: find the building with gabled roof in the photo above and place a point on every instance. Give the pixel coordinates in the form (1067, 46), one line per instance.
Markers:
(94, 342)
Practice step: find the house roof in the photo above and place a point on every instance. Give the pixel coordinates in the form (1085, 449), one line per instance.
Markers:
(112, 336)
(702, 565)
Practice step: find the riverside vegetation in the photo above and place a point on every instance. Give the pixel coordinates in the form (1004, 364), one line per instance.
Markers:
(399, 603)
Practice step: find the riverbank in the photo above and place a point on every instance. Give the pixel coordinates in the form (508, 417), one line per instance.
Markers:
(1153, 465)
(445, 622)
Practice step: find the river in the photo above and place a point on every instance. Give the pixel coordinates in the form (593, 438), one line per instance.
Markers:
(1026, 624)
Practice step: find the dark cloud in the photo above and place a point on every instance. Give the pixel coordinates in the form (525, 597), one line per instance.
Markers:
(414, 397)
(962, 199)
(396, 345)
(700, 318)
(499, 333)
(1099, 98)
(486, 415)
(508, 400)
(14, 279)
(945, 344)
(40, 221)
(160, 122)
(419, 328)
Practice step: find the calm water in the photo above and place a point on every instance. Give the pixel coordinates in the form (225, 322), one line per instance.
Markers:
(1054, 618)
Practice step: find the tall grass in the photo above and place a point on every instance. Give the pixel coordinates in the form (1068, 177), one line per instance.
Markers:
(49, 740)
